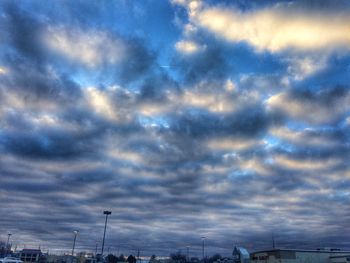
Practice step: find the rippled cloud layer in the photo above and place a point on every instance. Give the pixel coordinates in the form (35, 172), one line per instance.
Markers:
(184, 118)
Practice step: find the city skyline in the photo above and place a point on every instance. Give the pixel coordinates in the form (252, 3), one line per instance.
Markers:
(228, 120)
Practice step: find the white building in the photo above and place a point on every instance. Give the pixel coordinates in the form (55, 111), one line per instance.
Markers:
(240, 255)
(340, 259)
(299, 256)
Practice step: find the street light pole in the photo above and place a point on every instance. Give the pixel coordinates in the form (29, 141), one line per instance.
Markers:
(188, 253)
(75, 238)
(8, 242)
(203, 238)
(107, 213)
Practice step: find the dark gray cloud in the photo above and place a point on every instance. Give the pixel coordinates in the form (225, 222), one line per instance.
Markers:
(23, 31)
(39, 83)
(247, 122)
(139, 63)
(48, 144)
(210, 64)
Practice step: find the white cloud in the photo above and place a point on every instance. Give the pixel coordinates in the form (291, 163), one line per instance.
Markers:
(348, 121)
(101, 103)
(277, 28)
(231, 144)
(192, 6)
(91, 48)
(301, 67)
(128, 156)
(223, 100)
(3, 70)
(178, 2)
(254, 164)
(187, 47)
(189, 29)
(108, 104)
(306, 137)
(214, 102)
(305, 164)
(230, 85)
(312, 111)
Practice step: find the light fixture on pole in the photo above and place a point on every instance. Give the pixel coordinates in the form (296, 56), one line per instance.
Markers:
(107, 213)
(75, 238)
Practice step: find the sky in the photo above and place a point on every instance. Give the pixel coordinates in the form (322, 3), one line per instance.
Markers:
(223, 119)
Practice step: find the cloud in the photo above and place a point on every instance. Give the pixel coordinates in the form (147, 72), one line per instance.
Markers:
(191, 123)
(209, 101)
(258, 141)
(27, 88)
(208, 65)
(278, 28)
(125, 57)
(100, 102)
(187, 47)
(301, 68)
(92, 48)
(325, 106)
(313, 165)
(3, 70)
(192, 6)
(140, 61)
(309, 136)
(48, 144)
(23, 32)
(231, 144)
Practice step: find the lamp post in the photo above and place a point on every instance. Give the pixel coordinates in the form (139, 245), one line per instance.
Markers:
(203, 238)
(75, 238)
(188, 253)
(107, 213)
(8, 242)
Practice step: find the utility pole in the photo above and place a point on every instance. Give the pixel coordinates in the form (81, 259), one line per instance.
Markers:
(75, 238)
(8, 242)
(188, 253)
(203, 238)
(107, 213)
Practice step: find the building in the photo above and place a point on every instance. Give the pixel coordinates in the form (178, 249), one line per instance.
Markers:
(240, 255)
(299, 256)
(30, 255)
(340, 259)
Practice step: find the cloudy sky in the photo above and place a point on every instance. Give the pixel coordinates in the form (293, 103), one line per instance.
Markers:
(224, 119)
